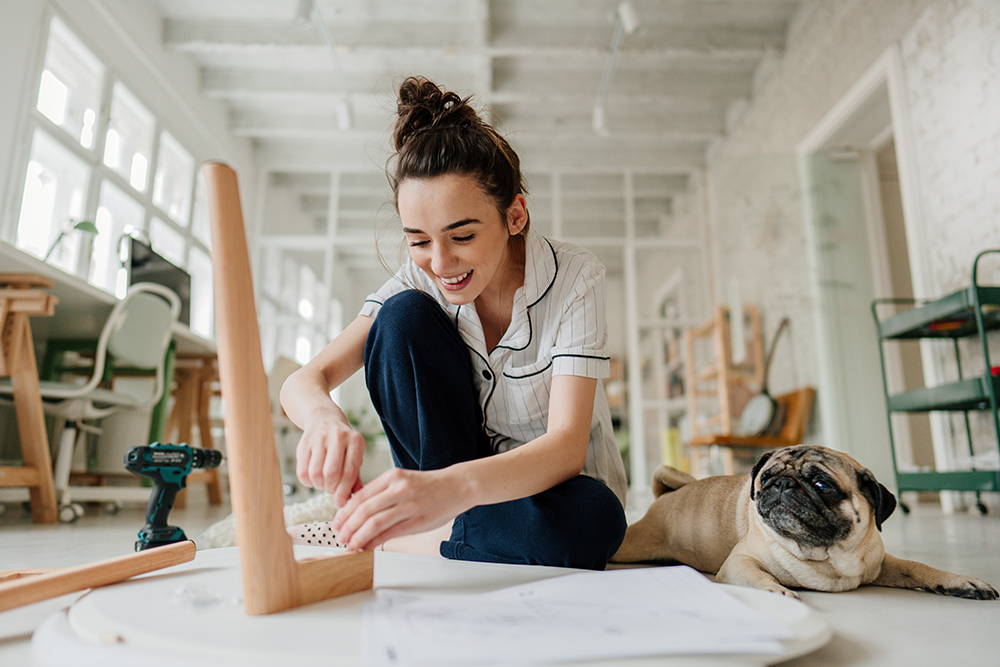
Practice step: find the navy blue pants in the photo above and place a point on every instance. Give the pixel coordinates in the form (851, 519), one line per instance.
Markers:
(419, 375)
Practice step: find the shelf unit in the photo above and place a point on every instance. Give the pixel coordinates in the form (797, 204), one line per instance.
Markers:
(970, 312)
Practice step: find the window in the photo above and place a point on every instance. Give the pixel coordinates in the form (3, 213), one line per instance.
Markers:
(54, 193)
(70, 91)
(168, 241)
(118, 215)
(174, 179)
(202, 304)
(200, 226)
(129, 141)
(123, 170)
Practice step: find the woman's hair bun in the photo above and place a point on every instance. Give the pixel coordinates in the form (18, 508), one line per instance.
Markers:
(424, 106)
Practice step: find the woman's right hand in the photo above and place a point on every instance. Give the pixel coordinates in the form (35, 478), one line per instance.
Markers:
(329, 456)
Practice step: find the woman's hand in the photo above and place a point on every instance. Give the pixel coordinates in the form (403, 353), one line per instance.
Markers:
(399, 502)
(329, 457)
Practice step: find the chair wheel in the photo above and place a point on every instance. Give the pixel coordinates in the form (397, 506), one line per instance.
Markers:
(111, 507)
(983, 509)
(905, 508)
(68, 514)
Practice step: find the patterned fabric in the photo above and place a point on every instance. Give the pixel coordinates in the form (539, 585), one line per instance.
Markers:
(558, 327)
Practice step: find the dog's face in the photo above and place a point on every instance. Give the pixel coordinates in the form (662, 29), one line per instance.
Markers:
(817, 497)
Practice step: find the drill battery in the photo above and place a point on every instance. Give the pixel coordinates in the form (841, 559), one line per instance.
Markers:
(168, 467)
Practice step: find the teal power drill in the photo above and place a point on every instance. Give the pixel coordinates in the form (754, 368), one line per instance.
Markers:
(168, 466)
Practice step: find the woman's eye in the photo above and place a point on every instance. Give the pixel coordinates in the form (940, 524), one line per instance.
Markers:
(464, 239)
(417, 244)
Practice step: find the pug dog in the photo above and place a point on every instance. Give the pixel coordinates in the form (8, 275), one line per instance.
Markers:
(807, 517)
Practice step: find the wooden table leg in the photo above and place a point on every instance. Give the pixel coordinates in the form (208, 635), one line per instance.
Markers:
(31, 420)
(206, 379)
(192, 403)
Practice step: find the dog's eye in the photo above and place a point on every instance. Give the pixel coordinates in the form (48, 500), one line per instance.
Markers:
(822, 485)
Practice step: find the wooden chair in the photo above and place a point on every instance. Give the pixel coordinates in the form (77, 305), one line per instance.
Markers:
(796, 406)
(272, 579)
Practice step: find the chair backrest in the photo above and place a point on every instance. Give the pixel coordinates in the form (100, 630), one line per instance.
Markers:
(141, 326)
(137, 332)
(797, 407)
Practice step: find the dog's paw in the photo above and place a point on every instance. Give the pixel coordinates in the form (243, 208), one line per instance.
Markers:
(781, 590)
(970, 589)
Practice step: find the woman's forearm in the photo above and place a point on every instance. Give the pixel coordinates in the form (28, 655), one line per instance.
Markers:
(551, 459)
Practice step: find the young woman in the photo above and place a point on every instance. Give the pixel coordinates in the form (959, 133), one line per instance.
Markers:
(483, 356)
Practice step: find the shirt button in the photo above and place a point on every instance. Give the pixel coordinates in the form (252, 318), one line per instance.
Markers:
(487, 375)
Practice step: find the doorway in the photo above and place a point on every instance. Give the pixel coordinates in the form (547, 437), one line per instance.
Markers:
(860, 250)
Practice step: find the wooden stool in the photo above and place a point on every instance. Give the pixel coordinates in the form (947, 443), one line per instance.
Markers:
(195, 376)
(18, 301)
(797, 408)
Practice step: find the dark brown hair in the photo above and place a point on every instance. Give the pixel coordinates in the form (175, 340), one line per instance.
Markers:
(438, 133)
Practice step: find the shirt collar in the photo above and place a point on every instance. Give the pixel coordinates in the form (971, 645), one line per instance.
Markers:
(540, 270)
(539, 267)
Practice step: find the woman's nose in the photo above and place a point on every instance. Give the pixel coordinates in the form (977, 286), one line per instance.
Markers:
(441, 259)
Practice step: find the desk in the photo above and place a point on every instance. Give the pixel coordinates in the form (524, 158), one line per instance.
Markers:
(19, 299)
(83, 308)
(82, 313)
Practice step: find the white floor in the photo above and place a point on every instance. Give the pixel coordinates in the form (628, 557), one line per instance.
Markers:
(872, 626)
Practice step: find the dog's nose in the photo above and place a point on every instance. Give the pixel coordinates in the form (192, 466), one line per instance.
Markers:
(783, 484)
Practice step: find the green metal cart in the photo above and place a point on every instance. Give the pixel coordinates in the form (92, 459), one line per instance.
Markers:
(971, 311)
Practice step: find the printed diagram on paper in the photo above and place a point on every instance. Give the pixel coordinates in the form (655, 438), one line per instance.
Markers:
(623, 613)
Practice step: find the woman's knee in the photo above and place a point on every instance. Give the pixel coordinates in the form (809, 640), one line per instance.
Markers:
(409, 311)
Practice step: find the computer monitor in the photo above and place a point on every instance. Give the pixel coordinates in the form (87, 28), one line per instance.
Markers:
(146, 266)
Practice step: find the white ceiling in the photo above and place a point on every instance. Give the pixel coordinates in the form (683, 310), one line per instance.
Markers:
(534, 68)
(535, 65)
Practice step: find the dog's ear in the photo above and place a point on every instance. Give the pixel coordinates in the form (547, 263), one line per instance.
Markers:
(753, 474)
(881, 499)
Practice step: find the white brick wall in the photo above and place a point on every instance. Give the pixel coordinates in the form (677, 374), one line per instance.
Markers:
(950, 51)
(951, 61)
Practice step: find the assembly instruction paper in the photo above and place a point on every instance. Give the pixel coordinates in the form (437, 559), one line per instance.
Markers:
(585, 616)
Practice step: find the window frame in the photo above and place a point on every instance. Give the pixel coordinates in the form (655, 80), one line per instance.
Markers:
(33, 119)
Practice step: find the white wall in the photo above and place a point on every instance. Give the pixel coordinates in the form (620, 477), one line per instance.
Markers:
(950, 53)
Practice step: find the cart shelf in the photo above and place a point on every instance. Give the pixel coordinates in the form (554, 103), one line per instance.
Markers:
(970, 312)
(971, 394)
(962, 480)
(950, 317)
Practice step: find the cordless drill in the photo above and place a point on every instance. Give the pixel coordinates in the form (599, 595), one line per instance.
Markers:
(168, 466)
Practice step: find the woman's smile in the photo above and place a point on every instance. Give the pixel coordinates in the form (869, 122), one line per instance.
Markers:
(456, 283)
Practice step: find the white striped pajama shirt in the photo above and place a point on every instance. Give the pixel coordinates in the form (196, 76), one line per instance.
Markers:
(558, 327)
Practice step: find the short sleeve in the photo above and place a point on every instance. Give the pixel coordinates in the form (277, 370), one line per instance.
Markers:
(403, 280)
(581, 341)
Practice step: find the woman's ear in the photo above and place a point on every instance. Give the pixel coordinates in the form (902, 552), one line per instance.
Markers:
(517, 215)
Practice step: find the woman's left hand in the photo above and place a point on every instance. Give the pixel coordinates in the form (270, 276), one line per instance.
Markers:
(398, 502)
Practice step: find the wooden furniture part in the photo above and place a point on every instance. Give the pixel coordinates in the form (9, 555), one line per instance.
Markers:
(18, 301)
(794, 407)
(195, 376)
(272, 579)
(20, 588)
(718, 388)
(970, 313)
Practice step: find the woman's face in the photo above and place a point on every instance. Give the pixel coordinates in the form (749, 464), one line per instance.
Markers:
(456, 235)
